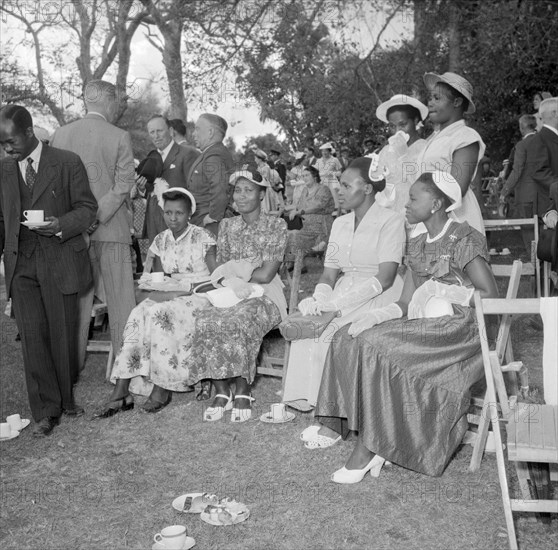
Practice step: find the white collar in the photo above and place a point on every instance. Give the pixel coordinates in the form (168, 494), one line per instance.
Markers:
(97, 114)
(166, 150)
(551, 128)
(35, 155)
(529, 134)
(441, 233)
(180, 237)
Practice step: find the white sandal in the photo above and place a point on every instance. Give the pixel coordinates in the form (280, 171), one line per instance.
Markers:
(321, 442)
(212, 414)
(241, 415)
(309, 433)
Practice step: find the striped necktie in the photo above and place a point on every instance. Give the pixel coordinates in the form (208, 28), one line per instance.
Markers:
(30, 175)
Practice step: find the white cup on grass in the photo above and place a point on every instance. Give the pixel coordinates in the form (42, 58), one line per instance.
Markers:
(278, 411)
(14, 421)
(172, 537)
(5, 430)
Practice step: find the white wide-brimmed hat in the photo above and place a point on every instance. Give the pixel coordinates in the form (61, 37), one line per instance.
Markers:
(455, 81)
(254, 177)
(184, 192)
(446, 183)
(260, 154)
(329, 146)
(398, 100)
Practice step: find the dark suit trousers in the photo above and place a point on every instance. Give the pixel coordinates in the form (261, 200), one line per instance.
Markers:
(47, 321)
(154, 220)
(526, 210)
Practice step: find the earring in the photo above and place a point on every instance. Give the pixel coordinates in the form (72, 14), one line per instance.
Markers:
(432, 211)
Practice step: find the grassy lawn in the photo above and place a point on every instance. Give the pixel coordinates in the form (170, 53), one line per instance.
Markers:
(110, 483)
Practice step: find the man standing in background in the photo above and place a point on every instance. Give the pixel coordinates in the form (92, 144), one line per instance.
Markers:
(106, 152)
(209, 177)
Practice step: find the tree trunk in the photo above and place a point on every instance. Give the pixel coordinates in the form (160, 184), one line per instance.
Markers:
(454, 37)
(172, 59)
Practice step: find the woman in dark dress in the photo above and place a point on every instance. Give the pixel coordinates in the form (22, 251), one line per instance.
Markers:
(400, 375)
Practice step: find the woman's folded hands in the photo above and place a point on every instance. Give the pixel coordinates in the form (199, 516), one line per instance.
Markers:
(375, 317)
(319, 302)
(241, 288)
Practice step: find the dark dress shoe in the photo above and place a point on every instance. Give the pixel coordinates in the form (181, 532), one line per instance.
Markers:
(153, 406)
(44, 426)
(75, 410)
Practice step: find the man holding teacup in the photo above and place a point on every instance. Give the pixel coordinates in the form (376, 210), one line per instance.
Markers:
(46, 262)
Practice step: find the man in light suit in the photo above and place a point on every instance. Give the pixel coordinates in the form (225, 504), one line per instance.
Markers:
(46, 265)
(521, 181)
(106, 152)
(209, 177)
(177, 162)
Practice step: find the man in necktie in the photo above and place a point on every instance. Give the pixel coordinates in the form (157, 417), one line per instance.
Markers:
(177, 162)
(46, 263)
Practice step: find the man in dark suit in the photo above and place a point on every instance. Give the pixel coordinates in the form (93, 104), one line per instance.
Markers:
(177, 163)
(520, 181)
(106, 152)
(209, 177)
(543, 153)
(277, 164)
(47, 266)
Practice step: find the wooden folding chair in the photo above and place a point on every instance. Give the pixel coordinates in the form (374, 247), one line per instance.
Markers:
(531, 437)
(479, 439)
(272, 365)
(101, 346)
(530, 269)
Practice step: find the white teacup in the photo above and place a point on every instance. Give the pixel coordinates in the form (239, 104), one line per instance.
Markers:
(157, 277)
(278, 411)
(34, 215)
(172, 537)
(15, 422)
(5, 430)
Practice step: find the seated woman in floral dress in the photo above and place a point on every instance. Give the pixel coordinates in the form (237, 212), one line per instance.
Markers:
(155, 354)
(315, 205)
(227, 341)
(400, 375)
(360, 274)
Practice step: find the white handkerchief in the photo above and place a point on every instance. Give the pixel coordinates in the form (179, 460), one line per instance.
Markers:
(172, 166)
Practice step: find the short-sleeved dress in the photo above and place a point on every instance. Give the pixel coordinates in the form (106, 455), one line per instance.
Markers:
(316, 226)
(330, 169)
(404, 385)
(226, 342)
(438, 155)
(157, 340)
(379, 238)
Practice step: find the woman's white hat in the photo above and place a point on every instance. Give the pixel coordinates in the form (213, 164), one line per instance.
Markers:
(397, 100)
(250, 176)
(455, 81)
(260, 154)
(184, 192)
(328, 145)
(446, 183)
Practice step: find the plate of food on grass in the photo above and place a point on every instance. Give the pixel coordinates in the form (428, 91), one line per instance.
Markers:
(194, 503)
(226, 512)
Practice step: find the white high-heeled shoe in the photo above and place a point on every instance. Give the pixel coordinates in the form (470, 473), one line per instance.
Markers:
(348, 477)
(212, 414)
(241, 415)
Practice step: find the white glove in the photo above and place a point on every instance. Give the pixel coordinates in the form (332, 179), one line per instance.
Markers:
(455, 294)
(145, 278)
(398, 143)
(241, 288)
(322, 292)
(550, 219)
(309, 306)
(375, 317)
(358, 294)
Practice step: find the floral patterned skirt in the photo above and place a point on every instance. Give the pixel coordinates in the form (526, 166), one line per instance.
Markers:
(174, 344)
(226, 342)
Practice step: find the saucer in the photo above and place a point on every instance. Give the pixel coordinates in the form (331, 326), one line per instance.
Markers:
(14, 435)
(188, 543)
(268, 418)
(238, 519)
(24, 423)
(35, 224)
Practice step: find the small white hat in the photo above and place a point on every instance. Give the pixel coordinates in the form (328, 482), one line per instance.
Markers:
(397, 100)
(446, 183)
(455, 81)
(254, 177)
(184, 192)
(260, 154)
(328, 145)
(299, 155)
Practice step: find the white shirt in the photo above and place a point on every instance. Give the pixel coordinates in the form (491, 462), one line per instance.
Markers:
(36, 156)
(98, 114)
(166, 150)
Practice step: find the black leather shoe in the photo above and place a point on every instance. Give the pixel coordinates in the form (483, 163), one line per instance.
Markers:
(75, 410)
(44, 426)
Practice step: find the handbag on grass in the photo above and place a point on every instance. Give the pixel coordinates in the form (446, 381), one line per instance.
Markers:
(295, 223)
(299, 327)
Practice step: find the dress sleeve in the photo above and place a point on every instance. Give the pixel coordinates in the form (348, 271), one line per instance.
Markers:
(391, 242)
(469, 247)
(158, 244)
(465, 137)
(276, 241)
(223, 241)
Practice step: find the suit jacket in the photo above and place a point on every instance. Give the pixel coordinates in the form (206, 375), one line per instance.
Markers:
(107, 154)
(542, 151)
(62, 190)
(521, 180)
(177, 165)
(209, 183)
